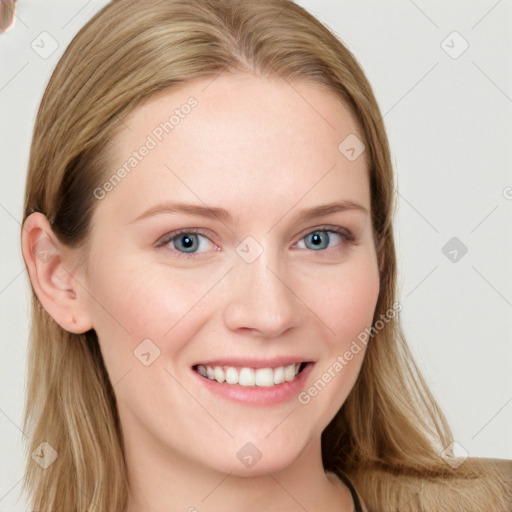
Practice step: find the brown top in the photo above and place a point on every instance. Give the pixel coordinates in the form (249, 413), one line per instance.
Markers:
(431, 496)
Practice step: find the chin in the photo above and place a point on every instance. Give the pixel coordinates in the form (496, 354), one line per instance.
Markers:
(257, 458)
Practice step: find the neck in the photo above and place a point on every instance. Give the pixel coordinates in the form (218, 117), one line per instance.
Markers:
(161, 479)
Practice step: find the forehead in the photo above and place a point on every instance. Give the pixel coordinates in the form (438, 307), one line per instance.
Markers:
(240, 137)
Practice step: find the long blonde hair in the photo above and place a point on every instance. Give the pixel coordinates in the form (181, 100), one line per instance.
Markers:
(389, 434)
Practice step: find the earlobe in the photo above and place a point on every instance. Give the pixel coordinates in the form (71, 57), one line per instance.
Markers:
(51, 273)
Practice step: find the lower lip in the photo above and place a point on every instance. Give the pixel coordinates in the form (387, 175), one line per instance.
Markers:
(257, 395)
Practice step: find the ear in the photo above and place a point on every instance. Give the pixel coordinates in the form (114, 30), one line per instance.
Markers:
(50, 265)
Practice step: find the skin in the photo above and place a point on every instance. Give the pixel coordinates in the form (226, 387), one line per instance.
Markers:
(264, 150)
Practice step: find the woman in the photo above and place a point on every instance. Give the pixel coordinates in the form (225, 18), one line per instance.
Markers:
(208, 234)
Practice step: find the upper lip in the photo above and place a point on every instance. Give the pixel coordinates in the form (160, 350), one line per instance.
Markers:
(255, 363)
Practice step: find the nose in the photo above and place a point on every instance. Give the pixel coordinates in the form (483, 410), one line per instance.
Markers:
(260, 299)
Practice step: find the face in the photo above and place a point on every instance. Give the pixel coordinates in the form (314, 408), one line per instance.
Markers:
(257, 285)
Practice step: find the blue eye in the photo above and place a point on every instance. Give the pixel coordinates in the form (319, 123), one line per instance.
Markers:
(320, 238)
(190, 243)
(187, 242)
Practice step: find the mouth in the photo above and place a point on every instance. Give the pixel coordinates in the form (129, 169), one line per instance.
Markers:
(248, 376)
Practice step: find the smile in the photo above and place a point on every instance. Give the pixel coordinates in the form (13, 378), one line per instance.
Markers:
(246, 376)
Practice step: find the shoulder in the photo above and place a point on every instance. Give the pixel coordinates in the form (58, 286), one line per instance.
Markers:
(476, 481)
(503, 468)
(486, 480)
(501, 464)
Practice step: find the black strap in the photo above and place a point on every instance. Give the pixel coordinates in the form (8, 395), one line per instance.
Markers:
(350, 485)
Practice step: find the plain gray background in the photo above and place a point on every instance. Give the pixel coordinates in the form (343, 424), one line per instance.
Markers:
(447, 110)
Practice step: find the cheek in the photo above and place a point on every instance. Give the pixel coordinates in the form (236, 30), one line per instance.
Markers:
(346, 308)
(345, 299)
(134, 303)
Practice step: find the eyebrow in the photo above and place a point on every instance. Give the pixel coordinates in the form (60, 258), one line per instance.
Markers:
(213, 212)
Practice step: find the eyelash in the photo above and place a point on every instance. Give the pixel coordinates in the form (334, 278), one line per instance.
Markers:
(348, 237)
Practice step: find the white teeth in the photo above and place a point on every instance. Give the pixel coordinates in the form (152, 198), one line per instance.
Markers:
(246, 377)
(231, 375)
(219, 375)
(264, 377)
(279, 375)
(289, 372)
